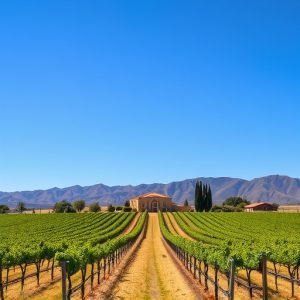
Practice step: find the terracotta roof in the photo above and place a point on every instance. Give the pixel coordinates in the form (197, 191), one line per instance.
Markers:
(252, 205)
(153, 195)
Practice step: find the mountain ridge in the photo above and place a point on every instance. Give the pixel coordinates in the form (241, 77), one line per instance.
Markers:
(273, 188)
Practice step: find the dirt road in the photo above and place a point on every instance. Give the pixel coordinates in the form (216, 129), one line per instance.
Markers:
(153, 274)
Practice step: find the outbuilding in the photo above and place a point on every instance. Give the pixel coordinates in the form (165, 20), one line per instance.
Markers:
(259, 206)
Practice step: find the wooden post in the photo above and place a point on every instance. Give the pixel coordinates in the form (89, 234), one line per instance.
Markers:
(63, 279)
(231, 280)
(264, 278)
(216, 282)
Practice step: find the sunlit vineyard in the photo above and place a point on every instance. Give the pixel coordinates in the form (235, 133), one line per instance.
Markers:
(40, 243)
(217, 239)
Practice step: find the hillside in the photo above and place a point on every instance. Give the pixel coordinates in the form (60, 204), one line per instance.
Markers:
(275, 188)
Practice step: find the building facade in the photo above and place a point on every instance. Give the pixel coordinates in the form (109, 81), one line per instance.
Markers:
(261, 206)
(154, 202)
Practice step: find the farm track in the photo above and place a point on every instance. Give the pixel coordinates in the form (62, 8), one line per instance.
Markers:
(132, 224)
(152, 273)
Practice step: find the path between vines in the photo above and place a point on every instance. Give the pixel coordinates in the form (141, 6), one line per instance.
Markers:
(152, 273)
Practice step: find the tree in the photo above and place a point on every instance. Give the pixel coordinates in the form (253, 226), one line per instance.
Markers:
(21, 207)
(4, 209)
(111, 208)
(197, 191)
(79, 205)
(127, 203)
(236, 201)
(94, 207)
(209, 199)
(186, 202)
(203, 197)
(69, 209)
(127, 209)
(61, 206)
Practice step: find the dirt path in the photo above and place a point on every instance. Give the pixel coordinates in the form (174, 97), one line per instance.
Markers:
(153, 274)
(132, 224)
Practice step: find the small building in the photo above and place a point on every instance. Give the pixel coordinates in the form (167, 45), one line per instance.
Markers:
(289, 208)
(154, 202)
(260, 206)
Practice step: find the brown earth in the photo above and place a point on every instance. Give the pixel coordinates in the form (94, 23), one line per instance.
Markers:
(153, 274)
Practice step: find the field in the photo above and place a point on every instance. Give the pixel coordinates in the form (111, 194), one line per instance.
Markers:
(182, 256)
(213, 239)
(32, 246)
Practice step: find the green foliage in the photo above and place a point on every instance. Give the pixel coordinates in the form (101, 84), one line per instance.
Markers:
(203, 197)
(79, 257)
(75, 238)
(79, 205)
(69, 209)
(236, 201)
(127, 203)
(216, 208)
(186, 203)
(94, 207)
(21, 207)
(62, 206)
(118, 208)
(228, 208)
(4, 209)
(127, 209)
(111, 208)
(243, 237)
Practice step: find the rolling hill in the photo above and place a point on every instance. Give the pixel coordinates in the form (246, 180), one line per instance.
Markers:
(274, 188)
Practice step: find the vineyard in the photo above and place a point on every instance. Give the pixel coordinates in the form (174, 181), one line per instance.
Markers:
(80, 246)
(264, 249)
(229, 255)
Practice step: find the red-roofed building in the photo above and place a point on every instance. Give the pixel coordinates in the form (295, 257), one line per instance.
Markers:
(260, 206)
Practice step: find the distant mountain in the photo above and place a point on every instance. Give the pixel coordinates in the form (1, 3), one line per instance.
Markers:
(275, 188)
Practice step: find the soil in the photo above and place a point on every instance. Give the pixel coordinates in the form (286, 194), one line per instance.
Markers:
(152, 273)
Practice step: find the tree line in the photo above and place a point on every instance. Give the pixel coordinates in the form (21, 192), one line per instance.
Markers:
(203, 197)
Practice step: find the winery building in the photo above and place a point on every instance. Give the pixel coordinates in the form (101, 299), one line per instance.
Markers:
(260, 206)
(154, 202)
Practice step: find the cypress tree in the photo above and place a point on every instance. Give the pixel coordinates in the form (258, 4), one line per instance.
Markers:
(209, 199)
(204, 198)
(200, 196)
(197, 196)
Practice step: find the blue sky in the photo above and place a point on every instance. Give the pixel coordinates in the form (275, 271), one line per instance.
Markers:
(129, 92)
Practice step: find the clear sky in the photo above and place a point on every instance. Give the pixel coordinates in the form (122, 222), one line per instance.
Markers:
(129, 92)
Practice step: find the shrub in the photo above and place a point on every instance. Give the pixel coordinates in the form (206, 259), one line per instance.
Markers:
(127, 209)
(228, 208)
(118, 208)
(69, 209)
(63, 206)
(216, 208)
(111, 208)
(94, 207)
(4, 209)
(79, 205)
(236, 201)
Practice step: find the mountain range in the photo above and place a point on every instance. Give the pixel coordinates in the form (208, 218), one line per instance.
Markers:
(274, 188)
